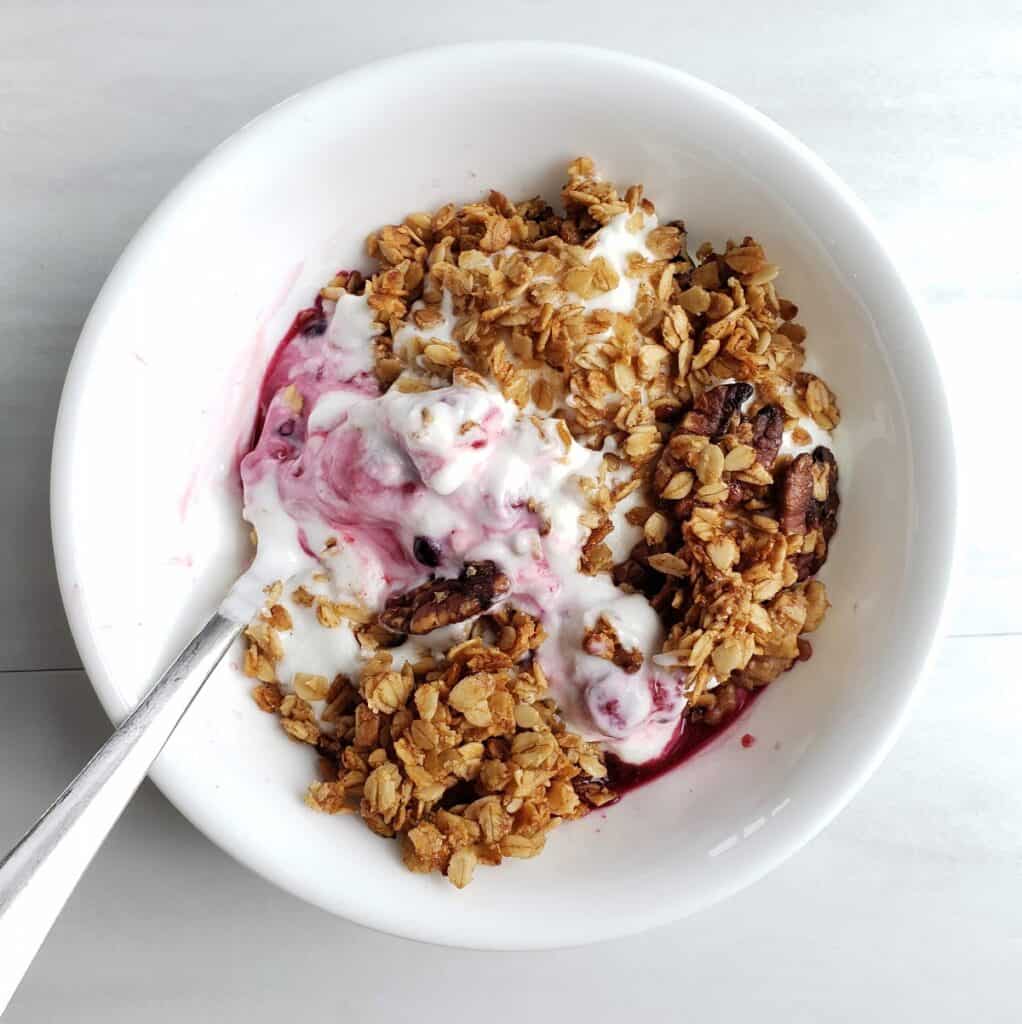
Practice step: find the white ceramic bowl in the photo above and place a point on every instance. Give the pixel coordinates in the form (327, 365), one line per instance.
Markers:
(160, 396)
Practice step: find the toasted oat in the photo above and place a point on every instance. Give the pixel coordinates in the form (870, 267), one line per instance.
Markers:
(478, 717)
(310, 687)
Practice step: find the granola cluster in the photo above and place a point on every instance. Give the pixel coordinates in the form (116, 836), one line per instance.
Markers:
(736, 536)
(688, 373)
(465, 757)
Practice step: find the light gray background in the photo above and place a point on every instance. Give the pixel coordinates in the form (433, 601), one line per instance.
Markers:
(909, 907)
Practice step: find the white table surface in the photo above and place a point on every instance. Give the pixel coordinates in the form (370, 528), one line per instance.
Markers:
(909, 907)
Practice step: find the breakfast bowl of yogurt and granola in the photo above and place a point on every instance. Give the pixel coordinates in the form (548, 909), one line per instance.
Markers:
(573, 504)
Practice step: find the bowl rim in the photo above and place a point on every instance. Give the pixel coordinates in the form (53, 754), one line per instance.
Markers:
(941, 520)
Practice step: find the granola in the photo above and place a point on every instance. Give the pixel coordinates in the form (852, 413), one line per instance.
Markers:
(553, 492)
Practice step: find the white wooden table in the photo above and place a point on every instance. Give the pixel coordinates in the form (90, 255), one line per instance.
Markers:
(909, 907)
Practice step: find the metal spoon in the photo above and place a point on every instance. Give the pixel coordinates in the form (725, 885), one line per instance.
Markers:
(39, 874)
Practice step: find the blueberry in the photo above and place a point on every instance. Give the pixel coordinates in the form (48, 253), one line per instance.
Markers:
(426, 552)
(315, 328)
(311, 322)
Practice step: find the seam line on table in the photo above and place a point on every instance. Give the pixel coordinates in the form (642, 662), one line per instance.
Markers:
(79, 668)
(38, 671)
(983, 636)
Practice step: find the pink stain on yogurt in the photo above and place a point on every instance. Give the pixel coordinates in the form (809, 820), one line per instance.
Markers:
(240, 426)
(405, 485)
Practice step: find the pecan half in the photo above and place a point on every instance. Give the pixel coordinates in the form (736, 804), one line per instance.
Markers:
(445, 602)
(796, 495)
(826, 510)
(712, 411)
(710, 415)
(822, 514)
(767, 434)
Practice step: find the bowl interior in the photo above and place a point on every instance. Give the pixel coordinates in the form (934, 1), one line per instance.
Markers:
(161, 396)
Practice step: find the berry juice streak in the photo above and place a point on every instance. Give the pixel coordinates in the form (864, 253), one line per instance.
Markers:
(688, 741)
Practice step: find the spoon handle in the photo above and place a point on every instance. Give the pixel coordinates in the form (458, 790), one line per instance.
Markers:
(39, 874)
